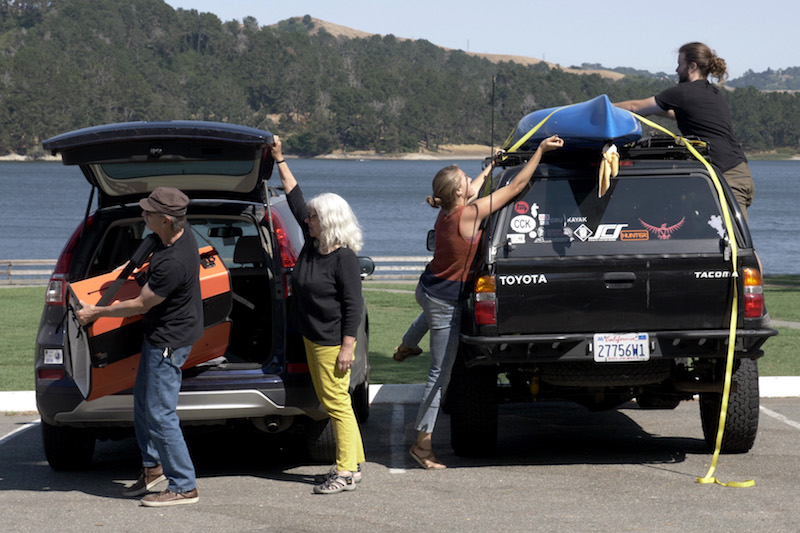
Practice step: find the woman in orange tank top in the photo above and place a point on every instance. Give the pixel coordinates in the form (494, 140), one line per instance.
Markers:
(441, 286)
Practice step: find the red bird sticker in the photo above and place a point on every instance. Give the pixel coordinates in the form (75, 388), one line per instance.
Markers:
(663, 232)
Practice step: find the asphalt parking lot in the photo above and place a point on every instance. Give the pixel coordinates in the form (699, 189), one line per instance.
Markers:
(559, 468)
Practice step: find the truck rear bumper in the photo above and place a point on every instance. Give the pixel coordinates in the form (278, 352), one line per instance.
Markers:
(554, 347)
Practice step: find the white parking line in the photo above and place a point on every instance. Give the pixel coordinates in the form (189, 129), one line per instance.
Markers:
(778, 416)
(398, 444)
(26, 427)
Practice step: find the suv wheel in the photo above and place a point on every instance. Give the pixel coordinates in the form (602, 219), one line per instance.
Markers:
(67, 448)
(320, 441)
(741, 421)
(360, 398)
(472, 402)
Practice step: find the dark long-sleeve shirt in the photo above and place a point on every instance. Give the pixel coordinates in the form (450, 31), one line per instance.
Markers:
(326, 289)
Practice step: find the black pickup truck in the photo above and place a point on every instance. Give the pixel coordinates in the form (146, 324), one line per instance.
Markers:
(601, 300)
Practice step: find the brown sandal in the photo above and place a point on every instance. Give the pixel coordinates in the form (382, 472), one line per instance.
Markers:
(403, 352)
(427, 461)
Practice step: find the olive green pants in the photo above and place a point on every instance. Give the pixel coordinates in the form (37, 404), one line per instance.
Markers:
(741, 181)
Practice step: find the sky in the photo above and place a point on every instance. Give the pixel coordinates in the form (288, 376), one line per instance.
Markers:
(746, 34)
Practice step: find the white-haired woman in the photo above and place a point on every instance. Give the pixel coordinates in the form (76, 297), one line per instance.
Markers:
(326, 308)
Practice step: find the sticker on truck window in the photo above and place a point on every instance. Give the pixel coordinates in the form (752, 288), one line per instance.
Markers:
(715, 221)
(516, 238)
(523, 224)
(663, 231)
(583, 232)
(634, 235)
(608, 232)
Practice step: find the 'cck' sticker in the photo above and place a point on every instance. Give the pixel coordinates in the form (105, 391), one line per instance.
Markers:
(523, 224)
(663, 232)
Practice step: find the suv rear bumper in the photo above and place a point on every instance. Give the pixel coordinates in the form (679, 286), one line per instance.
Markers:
(555, 347)
(192, 406)
(62, 404)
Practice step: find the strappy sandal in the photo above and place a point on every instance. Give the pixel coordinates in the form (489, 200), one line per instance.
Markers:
(427, 461)
(403, 352)
(334, 472)
(335, 484)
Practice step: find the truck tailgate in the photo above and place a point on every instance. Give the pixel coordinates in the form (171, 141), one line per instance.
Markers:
(637, 294)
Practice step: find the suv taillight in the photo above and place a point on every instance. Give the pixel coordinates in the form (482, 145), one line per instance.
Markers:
(485, 301)
(285, 248)
(57, 286)
(753, 293)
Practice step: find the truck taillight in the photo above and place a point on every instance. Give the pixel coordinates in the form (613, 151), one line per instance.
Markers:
(485, 301)
(753, 293)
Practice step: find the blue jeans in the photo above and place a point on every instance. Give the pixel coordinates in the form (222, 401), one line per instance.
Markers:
(155, 416)
(444, 319)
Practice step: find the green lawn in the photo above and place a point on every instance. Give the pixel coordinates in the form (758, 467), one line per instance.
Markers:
(392, 308)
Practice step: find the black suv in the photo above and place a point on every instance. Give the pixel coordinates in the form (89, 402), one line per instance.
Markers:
(263, 375)
(603, 299)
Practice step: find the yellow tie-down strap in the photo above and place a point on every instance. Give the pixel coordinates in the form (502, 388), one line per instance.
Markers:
(522, 140)
(723, 412)
(533, 130)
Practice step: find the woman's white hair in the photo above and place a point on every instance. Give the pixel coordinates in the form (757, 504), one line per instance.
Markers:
(338, 223)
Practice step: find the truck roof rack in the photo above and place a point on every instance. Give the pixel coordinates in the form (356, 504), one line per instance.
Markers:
(663, 147)
(655, 147)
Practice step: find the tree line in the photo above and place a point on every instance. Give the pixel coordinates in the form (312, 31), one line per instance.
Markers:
(68, 64)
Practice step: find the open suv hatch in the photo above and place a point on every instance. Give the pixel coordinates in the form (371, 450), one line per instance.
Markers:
(263, 375)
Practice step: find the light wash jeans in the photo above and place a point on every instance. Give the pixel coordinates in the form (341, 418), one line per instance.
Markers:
(444, 319)
(155, 416)
(417, 330)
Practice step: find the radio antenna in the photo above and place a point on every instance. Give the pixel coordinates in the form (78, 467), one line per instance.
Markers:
(491, 154)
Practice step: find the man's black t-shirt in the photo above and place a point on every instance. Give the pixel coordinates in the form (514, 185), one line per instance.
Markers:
(701, 110)
(174, 274)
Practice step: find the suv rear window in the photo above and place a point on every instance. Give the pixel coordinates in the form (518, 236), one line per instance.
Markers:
(123, 238)
(560, 216)
(125, 171)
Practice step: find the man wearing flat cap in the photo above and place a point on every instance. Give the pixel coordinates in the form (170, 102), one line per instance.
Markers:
(172, 309)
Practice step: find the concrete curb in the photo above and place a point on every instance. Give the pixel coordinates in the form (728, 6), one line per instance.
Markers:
(769, 387)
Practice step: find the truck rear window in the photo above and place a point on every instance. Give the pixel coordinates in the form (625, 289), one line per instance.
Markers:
(638, 215)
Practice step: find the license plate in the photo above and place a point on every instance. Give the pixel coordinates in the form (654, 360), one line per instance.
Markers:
(620, 347)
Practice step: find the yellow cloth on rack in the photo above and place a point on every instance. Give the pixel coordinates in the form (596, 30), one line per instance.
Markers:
(609, 168)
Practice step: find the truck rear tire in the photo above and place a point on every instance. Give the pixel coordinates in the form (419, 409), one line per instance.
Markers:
(472, 401)
(741, 422)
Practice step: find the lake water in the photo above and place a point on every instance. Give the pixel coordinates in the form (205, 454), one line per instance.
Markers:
(42, 203)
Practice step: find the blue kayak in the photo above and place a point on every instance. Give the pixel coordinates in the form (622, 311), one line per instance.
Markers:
(585, 125)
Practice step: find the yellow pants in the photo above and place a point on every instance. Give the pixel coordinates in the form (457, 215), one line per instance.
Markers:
(332, 387)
